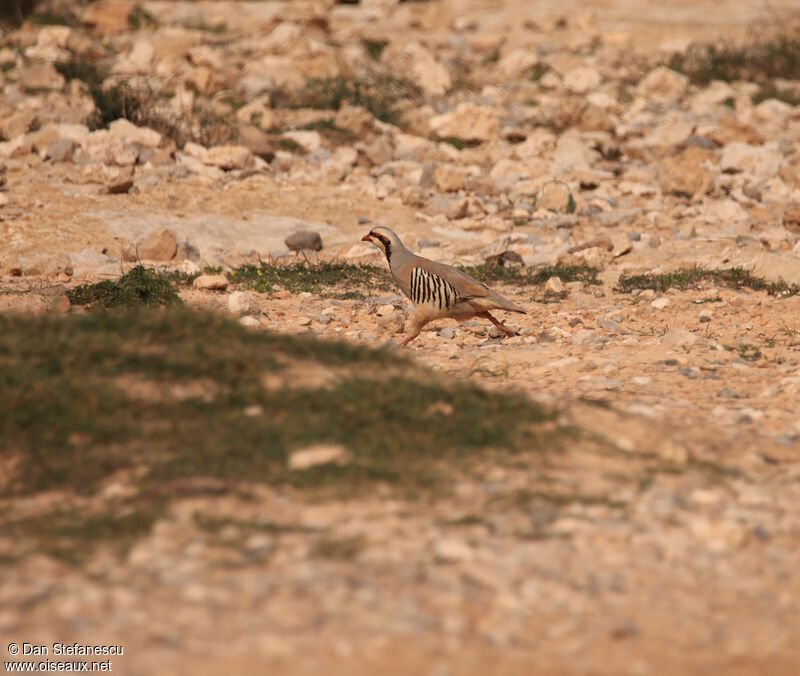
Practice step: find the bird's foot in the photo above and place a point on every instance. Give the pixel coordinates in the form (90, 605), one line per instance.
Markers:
(508, 332)
(406, 341)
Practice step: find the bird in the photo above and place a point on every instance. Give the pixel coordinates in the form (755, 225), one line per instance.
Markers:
(437, 290)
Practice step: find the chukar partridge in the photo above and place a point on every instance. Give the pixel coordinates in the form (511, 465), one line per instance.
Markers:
(437, 290)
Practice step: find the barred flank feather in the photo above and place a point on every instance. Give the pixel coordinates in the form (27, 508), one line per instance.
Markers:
(431, 289)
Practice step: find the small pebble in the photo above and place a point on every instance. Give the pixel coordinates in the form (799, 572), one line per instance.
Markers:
(238, 303)
(583, 337)
(554, 285)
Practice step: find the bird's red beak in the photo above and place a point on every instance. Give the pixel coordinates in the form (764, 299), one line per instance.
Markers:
(366, 238)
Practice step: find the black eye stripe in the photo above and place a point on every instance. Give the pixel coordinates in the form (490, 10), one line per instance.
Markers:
(387, 245)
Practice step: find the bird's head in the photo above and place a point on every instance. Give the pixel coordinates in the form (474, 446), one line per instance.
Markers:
(383, 238)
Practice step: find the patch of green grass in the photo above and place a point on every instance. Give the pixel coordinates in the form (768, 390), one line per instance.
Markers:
(457, 143)
(460, 143)
(168, 396)
(201, 25)
(319, 278)
(491, 57)
(52, 19)
(551, 298)
(467, 520)
(328, 129)
(237, 100)
(81, 69)
(377, 93)
(374, 48)
(770, 91)
(689, 278)
(749, 352)
(141, 19)
(180, 279)
(71, 535)
(71, 420)
(139, 286)
(111, 103)
(291, 145)
(146, 108)
(536, 72)
(213, 128)
(760, 60)
(35, 91)
(348, 295)
(533, 276)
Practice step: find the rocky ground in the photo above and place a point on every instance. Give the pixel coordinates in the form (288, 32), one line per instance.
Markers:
(664, 540)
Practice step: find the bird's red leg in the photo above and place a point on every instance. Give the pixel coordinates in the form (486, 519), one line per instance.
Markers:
(413, 330)
(498, 324)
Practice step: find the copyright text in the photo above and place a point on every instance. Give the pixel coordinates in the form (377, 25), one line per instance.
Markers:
(38, 651)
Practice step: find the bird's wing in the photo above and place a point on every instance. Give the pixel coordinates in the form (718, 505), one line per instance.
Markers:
(469, 288)
(466, 287)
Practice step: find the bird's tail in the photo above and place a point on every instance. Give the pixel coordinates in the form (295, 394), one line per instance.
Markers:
(505, 304)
